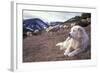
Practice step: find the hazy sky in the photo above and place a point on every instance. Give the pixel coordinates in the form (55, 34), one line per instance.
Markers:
(49, 16)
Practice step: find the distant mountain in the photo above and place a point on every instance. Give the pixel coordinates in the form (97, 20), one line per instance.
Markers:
(34, 24)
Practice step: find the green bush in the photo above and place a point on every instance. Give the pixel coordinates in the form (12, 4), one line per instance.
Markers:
(86, 15)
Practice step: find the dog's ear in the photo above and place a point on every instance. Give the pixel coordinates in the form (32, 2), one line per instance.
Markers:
(79, 33)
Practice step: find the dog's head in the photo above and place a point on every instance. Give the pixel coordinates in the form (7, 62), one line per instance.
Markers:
(76, 32)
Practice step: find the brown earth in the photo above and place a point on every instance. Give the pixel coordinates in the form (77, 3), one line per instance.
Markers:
(42, 47)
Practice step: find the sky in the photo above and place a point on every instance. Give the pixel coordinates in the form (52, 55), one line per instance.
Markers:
(48, 16)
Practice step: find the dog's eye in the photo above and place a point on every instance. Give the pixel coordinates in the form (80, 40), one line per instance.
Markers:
(73, 30)
(79, 29)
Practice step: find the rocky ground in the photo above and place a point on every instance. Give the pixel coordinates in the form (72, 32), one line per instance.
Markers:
(42, 47)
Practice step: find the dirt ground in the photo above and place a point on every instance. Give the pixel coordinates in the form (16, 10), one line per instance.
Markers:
(42, 47)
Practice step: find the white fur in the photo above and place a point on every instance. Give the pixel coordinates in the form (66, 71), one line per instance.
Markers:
(77, 40)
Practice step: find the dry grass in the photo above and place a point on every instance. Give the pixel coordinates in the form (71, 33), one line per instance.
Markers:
(42, 47)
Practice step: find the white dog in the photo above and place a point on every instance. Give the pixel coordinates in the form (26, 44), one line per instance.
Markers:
(77, 41)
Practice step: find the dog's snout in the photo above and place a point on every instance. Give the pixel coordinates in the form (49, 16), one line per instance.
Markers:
(69, 34)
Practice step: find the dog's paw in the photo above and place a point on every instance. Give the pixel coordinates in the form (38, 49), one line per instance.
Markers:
(71, 54)
(65, 54)
(58, 44)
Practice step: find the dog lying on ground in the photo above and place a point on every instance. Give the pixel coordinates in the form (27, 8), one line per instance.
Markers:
(76, 42)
